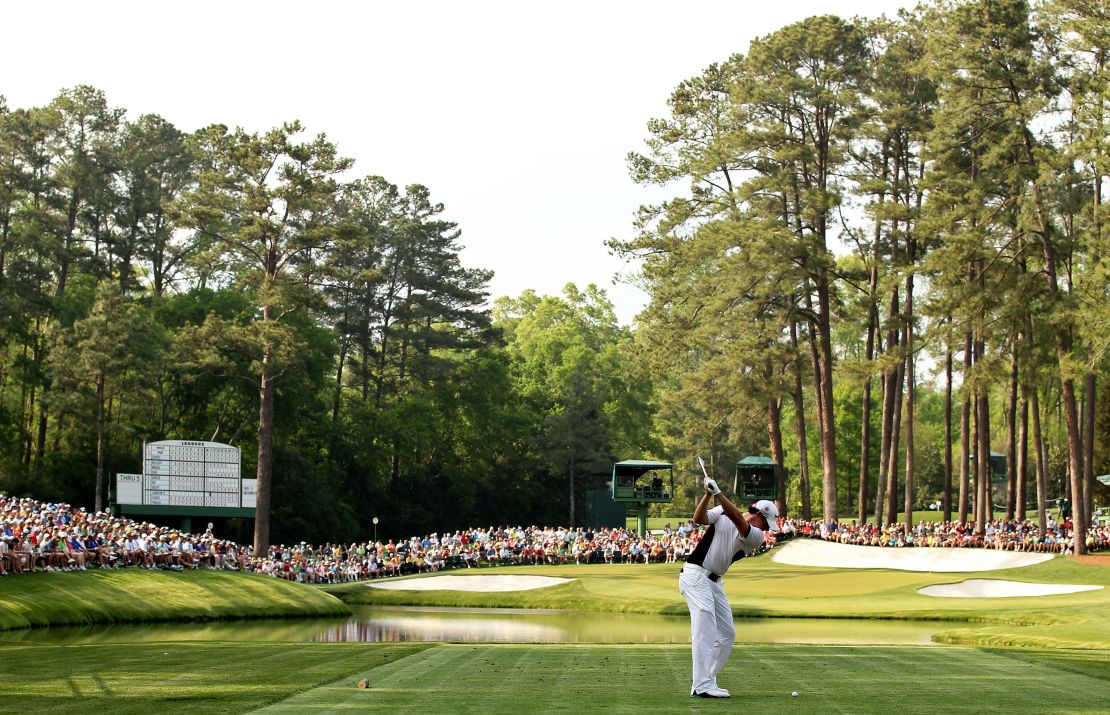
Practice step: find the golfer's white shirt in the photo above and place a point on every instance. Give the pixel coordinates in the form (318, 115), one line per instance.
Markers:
(727, 541)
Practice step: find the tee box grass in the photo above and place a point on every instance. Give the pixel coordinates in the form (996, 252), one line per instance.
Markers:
(509, 679)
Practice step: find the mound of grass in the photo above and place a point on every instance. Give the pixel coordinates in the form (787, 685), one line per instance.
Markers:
(138, 595)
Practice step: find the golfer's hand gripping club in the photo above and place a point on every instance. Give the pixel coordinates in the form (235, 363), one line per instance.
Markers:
(710, 485)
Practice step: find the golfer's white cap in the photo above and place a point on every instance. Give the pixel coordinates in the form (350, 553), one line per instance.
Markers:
(769, 511)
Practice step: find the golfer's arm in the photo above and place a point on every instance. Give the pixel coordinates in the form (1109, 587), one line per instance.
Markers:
(701, 515)
(733, 513)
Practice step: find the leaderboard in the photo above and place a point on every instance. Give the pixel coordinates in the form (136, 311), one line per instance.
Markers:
(185, 473)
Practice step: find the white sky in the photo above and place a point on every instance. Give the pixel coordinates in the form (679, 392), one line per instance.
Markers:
(516, 115)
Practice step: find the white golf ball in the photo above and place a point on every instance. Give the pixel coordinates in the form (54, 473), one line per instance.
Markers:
(794, 694)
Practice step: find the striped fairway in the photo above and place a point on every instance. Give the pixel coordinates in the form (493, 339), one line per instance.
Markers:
(513, 679)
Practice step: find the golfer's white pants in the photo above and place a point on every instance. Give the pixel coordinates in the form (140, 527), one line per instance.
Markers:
(711, 630)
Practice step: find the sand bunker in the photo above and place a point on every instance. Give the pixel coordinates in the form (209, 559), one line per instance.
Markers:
(471, 583)
(813, 552)
(997, 588)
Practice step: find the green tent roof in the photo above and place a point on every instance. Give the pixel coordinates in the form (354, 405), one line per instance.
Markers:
(756, 462)
(1105, 479)
(644, 463)
(637, 467)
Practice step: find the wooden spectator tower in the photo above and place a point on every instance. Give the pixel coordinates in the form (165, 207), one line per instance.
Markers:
(755, 480)
(639, 482)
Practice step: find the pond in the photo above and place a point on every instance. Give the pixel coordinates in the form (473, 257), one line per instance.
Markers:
(372, 624)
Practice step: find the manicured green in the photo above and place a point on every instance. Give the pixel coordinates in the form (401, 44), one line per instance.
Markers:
(520, 678)
(759, 587)
(136, 595)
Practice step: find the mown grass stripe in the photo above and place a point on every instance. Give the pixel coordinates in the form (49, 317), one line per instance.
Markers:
(514, 678)
(192, 677)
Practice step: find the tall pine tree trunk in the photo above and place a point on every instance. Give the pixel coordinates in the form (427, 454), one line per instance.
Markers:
(891, 391)
(884, 452)
(571, 494)
(343, 345)
(982, 462)
(947, 499)
(40, 440)
(1090, 389)
(800, 426)
(101, 429)
(264, 472)
(1090, 395)
(872, 338)
(910, 461)
(1039, 455)
(365, 349)
(38, 353)
(1063, 334)
(379, 391)
(774, 435)
(895, 441)
(965, 429)
(827, 423)
(819, 397)
(865, 418)
(985, 507)
(1075, 464)
(1011, 437)
(1022, 471)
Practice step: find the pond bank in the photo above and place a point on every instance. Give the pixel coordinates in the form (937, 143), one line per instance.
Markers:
(140, 595)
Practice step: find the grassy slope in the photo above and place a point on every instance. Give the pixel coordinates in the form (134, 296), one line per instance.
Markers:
(511, 679)
(762, 588)
(135, 595)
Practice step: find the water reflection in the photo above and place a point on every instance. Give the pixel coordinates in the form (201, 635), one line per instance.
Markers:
(492, 625)
(391, 628)
(470, 625)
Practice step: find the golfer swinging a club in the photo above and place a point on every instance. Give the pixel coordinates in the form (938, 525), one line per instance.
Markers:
(730, 536)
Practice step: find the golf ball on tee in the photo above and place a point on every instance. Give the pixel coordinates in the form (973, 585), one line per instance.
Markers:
(794, 694)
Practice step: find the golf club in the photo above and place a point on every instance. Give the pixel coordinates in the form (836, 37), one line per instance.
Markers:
(715, 489)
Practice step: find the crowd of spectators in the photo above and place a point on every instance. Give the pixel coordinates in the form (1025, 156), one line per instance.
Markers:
(1000, 534)
(43, 536)
(476, 548)
(56, 537)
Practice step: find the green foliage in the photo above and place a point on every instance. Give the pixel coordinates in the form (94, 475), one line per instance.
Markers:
(231, 286)
(581, 376)
(850, 198)
(969, 138)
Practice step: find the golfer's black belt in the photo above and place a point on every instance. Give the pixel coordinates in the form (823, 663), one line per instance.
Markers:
(712, 576)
